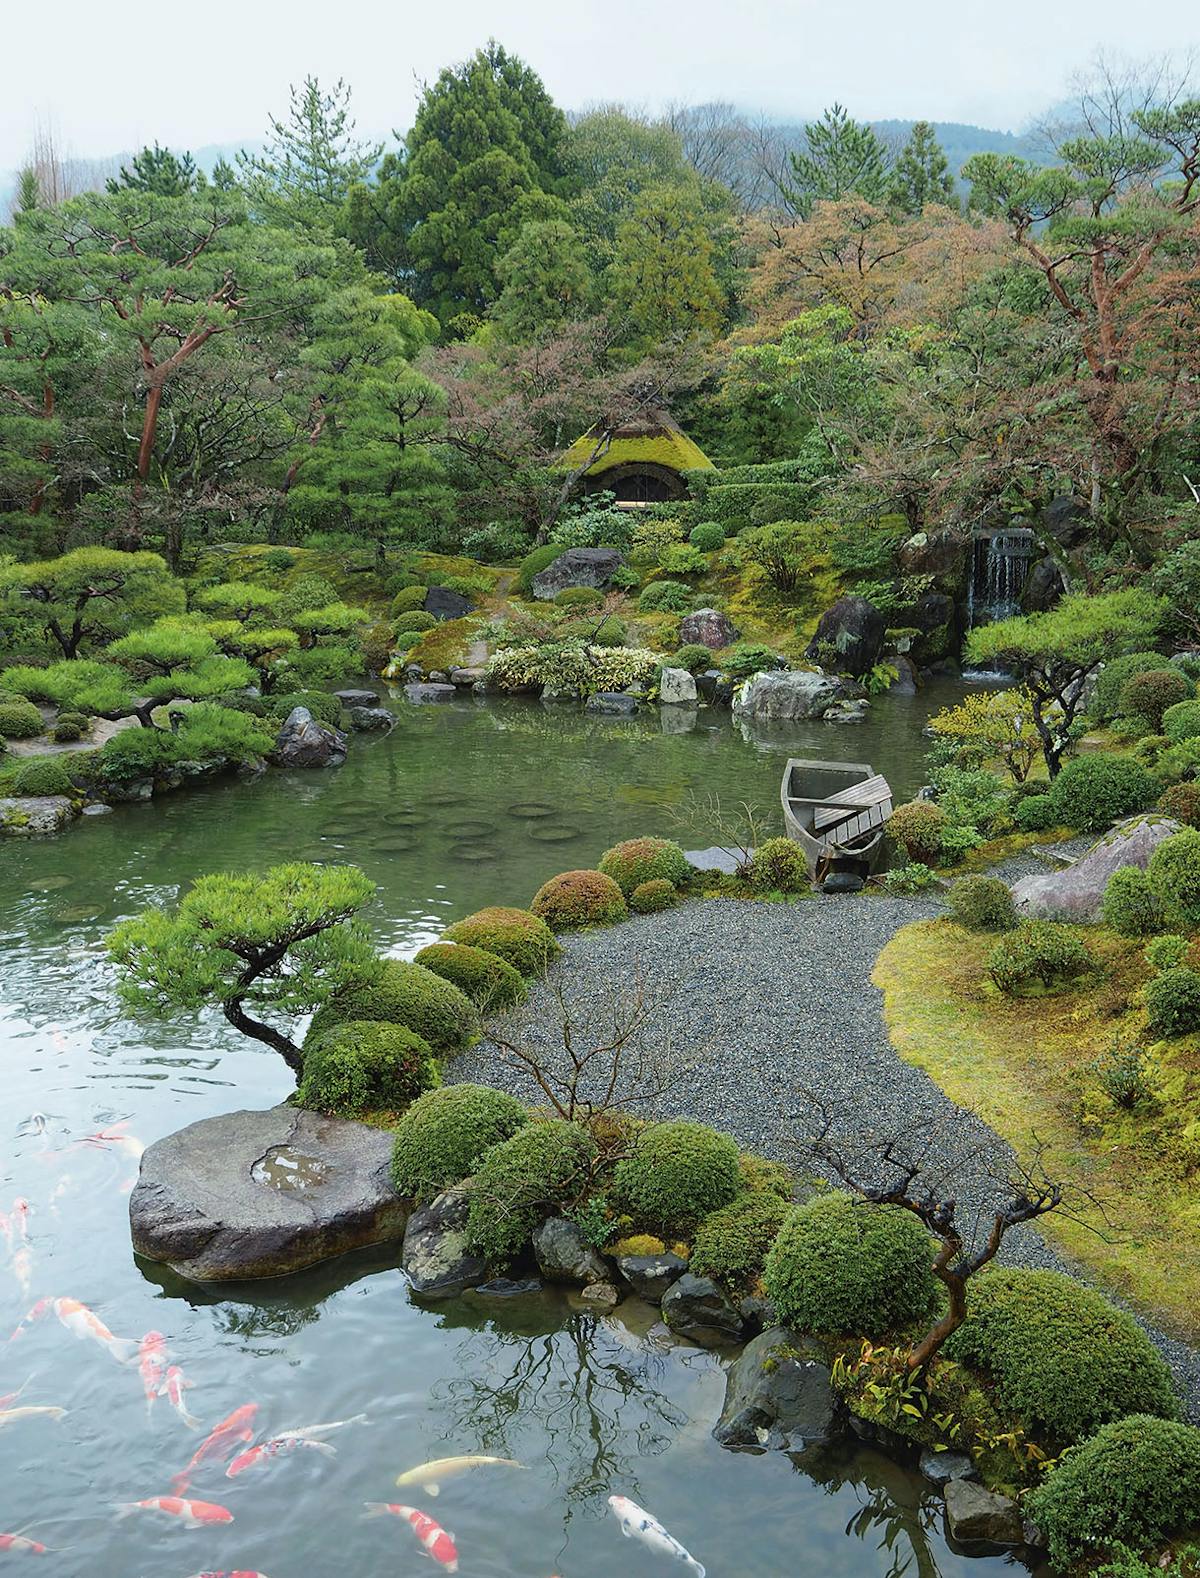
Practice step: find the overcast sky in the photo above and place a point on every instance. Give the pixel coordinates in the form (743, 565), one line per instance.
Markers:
(114, 78)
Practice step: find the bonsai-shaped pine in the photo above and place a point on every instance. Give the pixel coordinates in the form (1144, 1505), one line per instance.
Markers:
(282, 940)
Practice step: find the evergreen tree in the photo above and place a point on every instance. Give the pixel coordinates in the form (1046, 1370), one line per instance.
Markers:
(841, 156)
(311, 162)
(159, 171)
(921, 174)
(546, 281)
(29, 194)
(662, 281)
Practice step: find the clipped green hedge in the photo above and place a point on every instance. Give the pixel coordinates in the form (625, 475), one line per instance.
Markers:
(1092, 792)
(535, 562)
(638, 860)
(20, 720)
(918, 827)
(519, 937)
(778, 866)
(1173, 1001)
(649, 898)
(413, 619)
(543, 1166)
(1182, 721)
(364, 1066)
(484, 977)
(732, 1244)
(982, 904)
(39, 775)
(575, 899)
(676, 1173)
(443, 1134)
(403, 994)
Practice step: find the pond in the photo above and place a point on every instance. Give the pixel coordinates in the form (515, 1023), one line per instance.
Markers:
(459, 806)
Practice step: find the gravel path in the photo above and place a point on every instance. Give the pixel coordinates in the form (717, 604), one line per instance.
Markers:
(755, 1009)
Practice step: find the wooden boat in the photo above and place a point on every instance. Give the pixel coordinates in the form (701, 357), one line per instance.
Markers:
(837, 812)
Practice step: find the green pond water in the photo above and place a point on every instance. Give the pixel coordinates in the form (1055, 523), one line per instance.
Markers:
(460, 806)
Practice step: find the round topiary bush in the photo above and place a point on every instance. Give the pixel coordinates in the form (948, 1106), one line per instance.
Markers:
(841, 1264)
(1174, 873)
(1164, 953)
(66, 731)
(20, 720)
(364, 1066)
(982, 904)
(1092, 792)
(399, 993)
(416, 619)
(918, 828)
(580, 597)
(579, 898)
(665, 597)
(676, 1174)
(1035, 813)
(485, 978)
(778, 866)
(443, 1134)
(39, 776)
(707, 536)
(518, 1182)
(1063, 1359)
(535, 562)
(1112, 678)
(407, 639)
(1173, 1001)
(1182, 721)
(1149, 694)
(409, 598)
(731, 1244)
(1181, 802)
(639, 860)
(323, 706)
(648, 898)
(693, 656)
(519, 937)
(1130, 906)
(1038, 957)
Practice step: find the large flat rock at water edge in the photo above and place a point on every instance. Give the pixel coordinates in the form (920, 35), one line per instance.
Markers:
(1076, 894)
(260, 1194)
(789, 695)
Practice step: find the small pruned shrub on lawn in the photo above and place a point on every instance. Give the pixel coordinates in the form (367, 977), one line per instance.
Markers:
(1136, 1483)
(778, 866)
(918, 828)
(676, 1174)
(982, 904)
(1037, 957)
(39, 775)
(1174, 873)
(648, 898)
(576, 899)
(1165, 953)
(413, 619)
(694, 657)
(409, 598)
(1182, 721)
(1035, 813)
(1149, 694)
(486, 979)
(365, 1066)
(841, 1264)
(519, 937)
(543, 1166)
(443, 1134)
(71, 726)
(1062, 1358)
(406, 994)
(745, 658)
(1181, 802)
(707, 536)
(638, 860)
(731, 1245)
(1130, 905)
(20, 720)
(665, 597)
(1173, 1001)
(1093, 792)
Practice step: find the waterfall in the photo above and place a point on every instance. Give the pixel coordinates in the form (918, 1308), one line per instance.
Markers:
(998, 571)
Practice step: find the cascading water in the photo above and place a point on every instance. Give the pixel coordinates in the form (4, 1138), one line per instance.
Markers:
(998, 573)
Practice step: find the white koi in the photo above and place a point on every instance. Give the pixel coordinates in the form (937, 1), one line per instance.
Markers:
(429, 1476)
(315, 1432)
(11, 1416)
(636, 1523)
(174, 1385)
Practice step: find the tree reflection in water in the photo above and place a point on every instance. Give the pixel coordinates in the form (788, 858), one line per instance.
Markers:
(899, 1511)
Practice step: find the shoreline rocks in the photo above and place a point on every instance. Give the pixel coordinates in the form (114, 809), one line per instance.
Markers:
(793, 695)
(778, 1395)
(303, 742)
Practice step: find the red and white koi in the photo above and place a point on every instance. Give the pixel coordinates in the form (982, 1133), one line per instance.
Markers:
(434, 1539)
(219, 1442)
(31, 1315)
(22, 1269)
(26, 1547)
(193, 1514)
(152, 1364)
(175, 1383)
(7, 1399)
(115, 1137)
(15, 1224)
(240, 1572)
(259, 1456)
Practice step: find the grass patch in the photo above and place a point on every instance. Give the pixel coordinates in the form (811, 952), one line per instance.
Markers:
(1026, 1066)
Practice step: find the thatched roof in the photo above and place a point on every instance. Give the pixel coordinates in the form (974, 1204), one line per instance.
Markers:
(654, 438)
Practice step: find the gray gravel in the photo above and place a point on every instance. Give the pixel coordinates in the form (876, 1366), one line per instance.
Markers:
(754, 1010)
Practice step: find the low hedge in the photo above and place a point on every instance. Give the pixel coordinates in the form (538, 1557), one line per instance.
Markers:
(409, 598)
(575, 899)
(1035, 813)
(1114, 676)
(519, 937)
(20, 720)
(649, 898)
(1149, 694)
(535, 562)
(665, 597)
(406, 994)
(414, 619)
(1037, 957)
(484, 977)
(778, 866)
(443, 1134)
(39, 775)
(732, 1244)
(638, 860)
(364, 1066)
(1181, 802)
(543, 1166)
(676, 1173)
(1093, 792)
(982, 904)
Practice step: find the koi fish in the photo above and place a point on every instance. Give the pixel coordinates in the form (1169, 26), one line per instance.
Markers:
(18, 1542)
(83, 1323)
(20, 1218)
(637, 1523)
(259, 1456)
(152, 1364)
(42, 1307)
(174, 1385)
(430, 1475)
(241, 1572)
(195, 1514)
(10, 1416)
(219, 1443)
(434, 1539)
(22, 1269)
(315, 1432)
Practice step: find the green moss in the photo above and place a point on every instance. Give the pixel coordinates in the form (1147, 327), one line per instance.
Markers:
(485, 978)
(543, 1166)
(676, 1174)
(362, 1066)
(519, 937)
(443, 1134)
(731, 1244)
(670, 448)
(403, 994)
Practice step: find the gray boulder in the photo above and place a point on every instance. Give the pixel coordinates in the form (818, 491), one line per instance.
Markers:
(707, 627)
(592, 567)
(977, 1516)
(778, 1394)
(357, 698)
(303, 742)
(33, 816)
(1076, 893)
(847, 711)
(370, 720)
(466, 678)
(612, 704)
(436, 1259)
(651, 1275)
(1043, 587)
(430, 693)
(792, 695)
(677, 687)
(602, 1296)
(695, 1308)
(939, 1468)
(716, 689)
(944, 555)
(564, 1255)
(445, 603)
(853, 629)
(260, 1194)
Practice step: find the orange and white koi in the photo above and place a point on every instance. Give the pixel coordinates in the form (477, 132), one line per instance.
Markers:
(194, 1514)
(117, 1139)
(175, 1383)
(434, 1539)
(240, 1572)
(84, 1323)
(152, 1364)
(18, 1542)
(35, 1313)
(219, 1442)
(258, 1456)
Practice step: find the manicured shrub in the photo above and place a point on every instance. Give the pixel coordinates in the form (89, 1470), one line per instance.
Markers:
(1092, 792)
(20, 720)
(778, 866)
(579, 898)
(543, 1166)
(676, 1174)
(731, 1244)
(534, 562)
(693, 656)
(1174, 873)
(519, 937)
(638, 860)
(918, 828)
(415, 619)
(364, 1066)
(485, 978)
(1037, 957)
(681, 558)
(409, 598)
(580, 597)
(665, 597)
(324, 706)
(134, 754)
(1164, 953)
(40, 775)
(1035, 813)
(707, 536)
(1148, 695)
(1063, 1359)
(407, 639)
(1181, 802)
(982, 904)
(211, 733)
(1182, 721)
(66, 732)
(648, 898)
(841, 1264)
(1173, 1001)
(609, 632)
(443, 1134)
(403, 994)
(1135, 1484)
(1111, 680)
(1130, 906)
(744, 658)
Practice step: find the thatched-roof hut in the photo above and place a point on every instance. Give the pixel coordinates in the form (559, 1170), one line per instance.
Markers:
(643, 463)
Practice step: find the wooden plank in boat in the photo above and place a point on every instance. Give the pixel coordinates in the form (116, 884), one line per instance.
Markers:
(873, 797)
